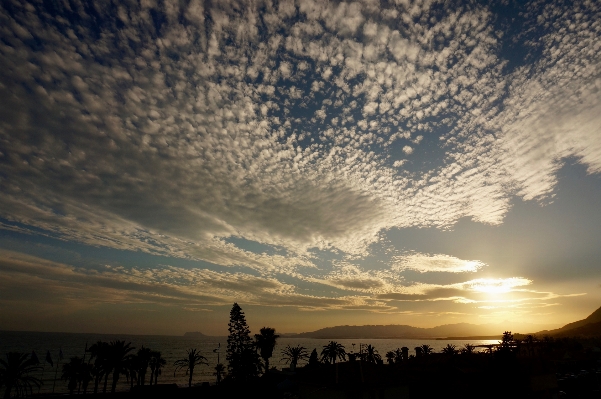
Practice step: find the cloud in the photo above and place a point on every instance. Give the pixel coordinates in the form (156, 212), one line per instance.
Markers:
(499, 285)
(26, 278)
(170, 128)
(424, 263)
(213, 144)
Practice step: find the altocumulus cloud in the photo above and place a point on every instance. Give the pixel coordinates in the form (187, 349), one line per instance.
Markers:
(170, 127)
(436, 263)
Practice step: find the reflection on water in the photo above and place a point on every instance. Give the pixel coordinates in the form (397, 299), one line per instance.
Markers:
(173, 348)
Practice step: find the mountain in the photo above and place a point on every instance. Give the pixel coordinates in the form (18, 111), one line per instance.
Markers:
(588, 330)
(194, 334)
(404, 331)
(591, 326)
(594, 317)
(390, 331)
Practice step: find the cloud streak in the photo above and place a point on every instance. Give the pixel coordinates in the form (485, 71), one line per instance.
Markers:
(308, 127)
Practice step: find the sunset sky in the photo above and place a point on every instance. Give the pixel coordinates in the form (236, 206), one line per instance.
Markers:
(319, 162)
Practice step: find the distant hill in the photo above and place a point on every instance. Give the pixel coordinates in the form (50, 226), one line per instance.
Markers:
(588, 330)
(405, 331)
(589, 327)
(376, 331)
(194, 334)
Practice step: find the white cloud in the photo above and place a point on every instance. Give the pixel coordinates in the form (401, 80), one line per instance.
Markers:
(424, 263)
(495, 286)
(170, 144)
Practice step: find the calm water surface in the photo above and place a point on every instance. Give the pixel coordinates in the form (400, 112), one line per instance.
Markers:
(173, 348)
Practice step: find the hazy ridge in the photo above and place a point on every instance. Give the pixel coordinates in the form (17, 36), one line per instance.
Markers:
(591, 326)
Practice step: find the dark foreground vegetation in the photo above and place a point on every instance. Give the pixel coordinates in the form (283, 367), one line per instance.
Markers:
(517, 367)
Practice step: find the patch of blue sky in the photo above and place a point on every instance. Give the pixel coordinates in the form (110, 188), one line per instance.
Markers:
(323, 258)
(427, 155)
(255, 246)
(24, 228)
(553, 240)
(312, 288)
(519, 33)
(81, 255)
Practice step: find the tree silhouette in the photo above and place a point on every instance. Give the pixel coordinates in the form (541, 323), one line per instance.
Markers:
(156, 364)
(265, 342)
(398, 355)
(143, 356)
(99, 353)
(193, 359)
(333, 351)
(132, 366)
(118, 357)
(243, 359)
(449, 350)
(73, 373)
(14, 373)
(395, 356)
(313, 359)
(390, 357)
(426, 349)
(85, 376)
(219, 372)
(530, 340)
(507, 343)
(293, 354)
(371, 355)
(468, 349)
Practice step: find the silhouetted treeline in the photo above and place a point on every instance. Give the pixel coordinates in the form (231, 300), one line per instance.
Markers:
(526, 366)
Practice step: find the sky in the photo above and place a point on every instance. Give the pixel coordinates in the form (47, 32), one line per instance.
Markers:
(319, 162)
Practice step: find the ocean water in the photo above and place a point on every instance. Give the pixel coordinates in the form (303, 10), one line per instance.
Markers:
(173, 348)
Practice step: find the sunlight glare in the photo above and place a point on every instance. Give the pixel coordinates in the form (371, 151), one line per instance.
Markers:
(497, 285)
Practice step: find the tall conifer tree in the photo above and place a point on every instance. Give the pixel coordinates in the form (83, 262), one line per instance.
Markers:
(243, 359)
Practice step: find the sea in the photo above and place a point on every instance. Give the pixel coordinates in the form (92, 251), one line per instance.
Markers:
(173, 348)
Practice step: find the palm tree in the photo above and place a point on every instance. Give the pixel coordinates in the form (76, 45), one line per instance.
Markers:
(85, 376)
(398, 355)
(156, 364)
(426, 349)
(450, 350)
(293, 354)
(219, 372)
(14, 373)
(468, 349)
(390, 357)
(333, 351)
(118, 357)
(530, 340)
(265, 342)
(99, 352)
(313, 359)
(371, 355)
(72, 373)
(193, 359)
(507, 345)
(132, 366)
(143, 355)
